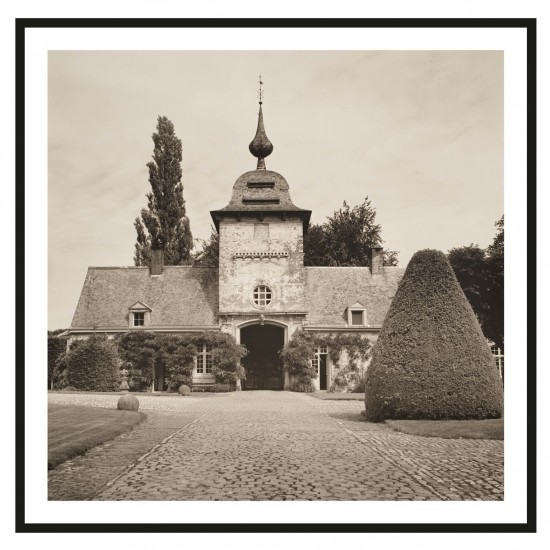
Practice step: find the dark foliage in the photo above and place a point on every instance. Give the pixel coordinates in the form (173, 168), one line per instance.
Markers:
(431, 360)
(218, 388)
(346, 238)
(177, 353)
(56, 348)
(93, 365)
(481, 275)
(140, 351)
(209, 254)
(165, 217)
(348, 354)
(137, 350)
(297, 356)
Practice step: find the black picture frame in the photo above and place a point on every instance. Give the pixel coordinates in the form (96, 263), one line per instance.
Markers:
(22, 526)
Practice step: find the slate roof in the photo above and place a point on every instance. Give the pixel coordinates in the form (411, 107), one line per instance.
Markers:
(260, 191)
(181, 296)
(329, 290)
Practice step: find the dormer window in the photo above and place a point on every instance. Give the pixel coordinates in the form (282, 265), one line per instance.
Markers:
(139, 315)
(357, 315)
(139, 319)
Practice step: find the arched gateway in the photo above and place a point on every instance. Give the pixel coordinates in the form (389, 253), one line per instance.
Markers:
(263, 364)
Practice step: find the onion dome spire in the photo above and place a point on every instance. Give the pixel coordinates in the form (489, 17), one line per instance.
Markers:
(260, 146)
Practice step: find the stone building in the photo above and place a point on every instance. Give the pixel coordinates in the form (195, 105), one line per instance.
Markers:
(260, 294)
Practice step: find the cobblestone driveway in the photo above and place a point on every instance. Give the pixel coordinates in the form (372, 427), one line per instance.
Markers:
(273, 446)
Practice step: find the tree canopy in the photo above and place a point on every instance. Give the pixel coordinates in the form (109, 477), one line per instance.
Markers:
(431, 360)
(209, 253)
(480, 273)
(345, 239)
(165, 218)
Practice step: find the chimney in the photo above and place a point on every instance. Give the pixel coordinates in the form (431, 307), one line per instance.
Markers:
(157, 257)
(377, 260)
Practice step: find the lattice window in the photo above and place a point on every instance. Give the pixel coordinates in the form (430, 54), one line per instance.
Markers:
(317, 352)
(139, 319)
(262, 295)
(499, 357)
(204, 360)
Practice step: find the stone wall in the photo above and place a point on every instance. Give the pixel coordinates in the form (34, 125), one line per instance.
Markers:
(263, 252)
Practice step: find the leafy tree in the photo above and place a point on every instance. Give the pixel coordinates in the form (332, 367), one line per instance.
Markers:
(431, 360)
(346, 238)
(165, 218)
(209, 254)
(481, 275)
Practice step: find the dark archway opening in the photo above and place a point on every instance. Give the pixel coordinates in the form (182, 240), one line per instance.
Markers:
(264, 370)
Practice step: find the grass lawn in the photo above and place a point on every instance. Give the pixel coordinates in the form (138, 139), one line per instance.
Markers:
(73, 429)
(451, 429)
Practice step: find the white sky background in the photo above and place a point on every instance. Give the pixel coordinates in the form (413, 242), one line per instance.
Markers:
(420, 133)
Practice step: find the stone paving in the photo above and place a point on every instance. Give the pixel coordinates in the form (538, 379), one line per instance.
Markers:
(273, 446)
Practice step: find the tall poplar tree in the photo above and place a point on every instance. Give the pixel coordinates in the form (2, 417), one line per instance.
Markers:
(164, 219)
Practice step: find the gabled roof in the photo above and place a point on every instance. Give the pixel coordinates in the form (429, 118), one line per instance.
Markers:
(356, 305)
(330, 289)
(139, 306)
(181, 296)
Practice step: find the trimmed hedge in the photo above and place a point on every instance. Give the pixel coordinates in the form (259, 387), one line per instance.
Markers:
(56, 348)
(93, 365)
(431, 360)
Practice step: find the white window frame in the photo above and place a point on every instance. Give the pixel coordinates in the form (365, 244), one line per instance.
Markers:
(260, 294)
(203, 363)
(316, 360)
(135, 318)
(498, 356)
(139, 308)
(361, 310)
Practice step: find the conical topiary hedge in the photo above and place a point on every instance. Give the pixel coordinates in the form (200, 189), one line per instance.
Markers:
(431, 360)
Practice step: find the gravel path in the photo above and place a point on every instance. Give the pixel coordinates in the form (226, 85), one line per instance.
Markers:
(272, 446)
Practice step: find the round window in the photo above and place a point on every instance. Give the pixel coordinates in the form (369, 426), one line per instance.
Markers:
(262, 296)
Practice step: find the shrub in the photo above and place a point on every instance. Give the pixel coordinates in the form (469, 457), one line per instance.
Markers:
(223, 388)
(431, 360)
(297, 356)
(140, 351)
(348, 354)
(177, 353)
(56, 348)
(226, 356)
(93, 365)
(137, 350)
(301, 386)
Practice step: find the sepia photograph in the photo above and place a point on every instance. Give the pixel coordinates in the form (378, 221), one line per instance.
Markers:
(275, 275)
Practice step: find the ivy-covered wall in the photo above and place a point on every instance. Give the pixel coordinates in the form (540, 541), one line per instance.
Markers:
(348, 354)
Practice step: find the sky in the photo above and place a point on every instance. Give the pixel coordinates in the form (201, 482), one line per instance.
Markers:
(418, 132)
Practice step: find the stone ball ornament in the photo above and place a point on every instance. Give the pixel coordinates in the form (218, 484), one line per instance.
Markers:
(184, 390)
(128, 403)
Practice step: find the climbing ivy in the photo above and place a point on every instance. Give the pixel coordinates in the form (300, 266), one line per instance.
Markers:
(348, 353)
(141, 350)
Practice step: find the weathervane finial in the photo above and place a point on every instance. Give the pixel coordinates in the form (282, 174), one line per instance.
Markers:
(260, 146)
(260, 91)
